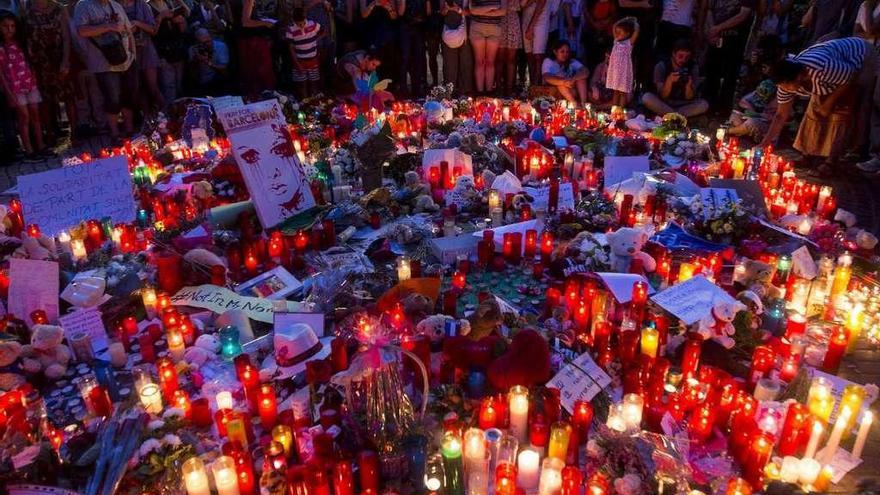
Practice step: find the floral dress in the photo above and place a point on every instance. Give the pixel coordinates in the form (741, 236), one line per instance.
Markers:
(620, 67)
(511, 29)
(46, 49)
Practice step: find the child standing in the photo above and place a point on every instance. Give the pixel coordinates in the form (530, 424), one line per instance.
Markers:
(620, 66)
(303, 35)
(20, 88)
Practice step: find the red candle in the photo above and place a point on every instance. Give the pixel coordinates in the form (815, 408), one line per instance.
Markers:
(268, 406)
(546, 245)
(763, 359)
(343, 478)
(744, 408)
(505, 479)
(33, 230)
(276, 245)
(163, 300)
(170, 317)
(99, 401)
(148, 352)
(250, 261)
(221, 417)
(639, 299)
(789, 369)
(368, 464)
(629, 346)
(301, 241)
(450, 303)
(757, 455)
(738, 486)
(795, 429)
(572, 478)
(690, 358)
(700, 423)
(726, 400)
(531, 242)
(38, 317)
(836, 348)
(201, 412)
(169, 271)
(582, 419)
(797, 325)
(459, 280)
(488, 414)
(181, 401)
(167, 378)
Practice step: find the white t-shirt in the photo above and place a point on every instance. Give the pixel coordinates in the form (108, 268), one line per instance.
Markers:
(553, 68)
(864, 21)
(678, 12)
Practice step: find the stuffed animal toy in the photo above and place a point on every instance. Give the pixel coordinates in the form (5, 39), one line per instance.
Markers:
(205, 349)
(586, 252)
(203, 191)
(203, 257)
(626, 245)
(485, 319)
(424, 203)
(526, 362)
(434, 327)
(46, 353)
(10, 371)
(757, 277)
(465, 188)
(488, 178)
(717, 324)
(416, 306)
(42, 248)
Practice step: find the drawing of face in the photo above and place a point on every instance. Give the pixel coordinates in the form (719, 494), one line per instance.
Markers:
(276, 182)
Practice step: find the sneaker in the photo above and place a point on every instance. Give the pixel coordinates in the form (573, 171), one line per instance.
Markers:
(870, 166)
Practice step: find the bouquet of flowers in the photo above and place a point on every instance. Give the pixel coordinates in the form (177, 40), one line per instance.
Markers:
(725, 222)
(160, 455)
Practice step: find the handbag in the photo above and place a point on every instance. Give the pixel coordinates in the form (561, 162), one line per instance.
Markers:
(454, 35)
(113, 51)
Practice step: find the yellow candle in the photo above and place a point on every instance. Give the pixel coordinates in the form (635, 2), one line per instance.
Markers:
(494, 198)
(78, 249)
(176, 345)
(235, 431)
(852, 398)
(819, 400)
(686, 272)
(518, 405)
(738, 166)
(404, 270)
(560, 434)
(282, 434)
(855, 320)
(842, 274)
(148, 295)
(650, 341)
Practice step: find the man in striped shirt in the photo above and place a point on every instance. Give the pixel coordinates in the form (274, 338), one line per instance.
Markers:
(302, 36)
(830, 74)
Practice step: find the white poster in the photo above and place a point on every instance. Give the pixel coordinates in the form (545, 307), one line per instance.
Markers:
(263, 148)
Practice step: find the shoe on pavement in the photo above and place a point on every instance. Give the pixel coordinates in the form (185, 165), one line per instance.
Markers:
(872, 165)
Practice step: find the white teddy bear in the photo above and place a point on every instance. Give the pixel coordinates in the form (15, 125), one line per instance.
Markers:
(626, 244)
(434, 327)
(717, 324)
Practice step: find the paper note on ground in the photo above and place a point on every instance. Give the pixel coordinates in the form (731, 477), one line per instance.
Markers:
(581, 379)
(691, 300)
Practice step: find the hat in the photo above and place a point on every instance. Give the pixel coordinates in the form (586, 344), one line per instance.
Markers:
(295, 345)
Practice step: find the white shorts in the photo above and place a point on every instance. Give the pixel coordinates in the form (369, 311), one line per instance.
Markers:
(30, 98)
(538, 44)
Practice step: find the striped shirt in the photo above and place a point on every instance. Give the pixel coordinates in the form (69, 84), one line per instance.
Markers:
(304, 39)
(830, 64)
(484, 19)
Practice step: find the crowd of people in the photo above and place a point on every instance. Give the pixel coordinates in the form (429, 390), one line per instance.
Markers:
(107, 64)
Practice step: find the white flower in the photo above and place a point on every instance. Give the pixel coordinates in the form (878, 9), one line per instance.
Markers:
(172, 440)
(155, 424)
(173, 412)
(148, 446)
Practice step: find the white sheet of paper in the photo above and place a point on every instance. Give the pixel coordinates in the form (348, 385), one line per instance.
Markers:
(453, 157)
(86, 321)
(841, 464)
(691, 300)
(683, 186)
(221, 299)
(620, 168)
(507, 183)
(802, 263)
(33, 284)
(541, 196)
(714, 198)
(581, 379)
(224, 102)
(621, 284)
(61, 198)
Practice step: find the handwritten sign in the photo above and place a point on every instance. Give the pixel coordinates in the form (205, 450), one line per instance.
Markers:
(220, 300)
(33, 284)
(63, 197)
(541, 196)
(264, 150)
(621, 284)
(691, 300)
(715, 199)
(621, 168)
(749, 191)
(86, 321)
(802, 263)
(581, 379)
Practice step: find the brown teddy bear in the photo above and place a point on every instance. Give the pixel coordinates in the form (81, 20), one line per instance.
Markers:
(46, 353)
(757, 277)
(10, 372)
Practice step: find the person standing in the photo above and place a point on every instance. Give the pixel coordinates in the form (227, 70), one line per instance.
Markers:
(458, 58)
(597, 34)
(485, 37)
(253, 39)
(645, 12)
(380, 31)
(172, 44)
(108, 45)
(830, 74)
(620, 66)
(345, 16)
(302, 37)
(412, 47)
(536, 33)
(433, 39)
(729, 23)
(511, 43)
(49, 48)
(144, 27)
(676, 23)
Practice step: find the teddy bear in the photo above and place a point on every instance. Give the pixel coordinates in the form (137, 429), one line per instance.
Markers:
(36, 248)
(717, 324)
(756, 276)
(413, 184)
(434, 327)
(10, 370)
(203, 191)
(205, 349)
(424, 203)
(626, 245)
(485, 319)
(46, 353)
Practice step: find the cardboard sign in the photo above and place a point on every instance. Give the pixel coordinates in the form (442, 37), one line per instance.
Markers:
(221, 299)
(33, 284)
(715, 199)
(541, 196)
(621, 284)
(691, 300)
(86, 321)
(263, 148)
(63, 197)
(621, 168)
(749, 191)
(580, 379)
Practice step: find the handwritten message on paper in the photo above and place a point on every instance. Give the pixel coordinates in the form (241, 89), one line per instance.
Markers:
(621, 284)
(541, 196)
(621, 168)
(33, 284)
(264, 151)
(691, 300)
(580, 379)
(61, 198)
(221, 299)
(86, 321)
(715, 199)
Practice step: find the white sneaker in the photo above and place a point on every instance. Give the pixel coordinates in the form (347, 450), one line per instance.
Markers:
(872, 165)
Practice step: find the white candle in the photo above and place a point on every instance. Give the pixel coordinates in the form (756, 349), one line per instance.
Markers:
(195, 478)
(64, 241)
(551, 476)
(824, 194)
(615, 418)
(151, 398)
(148, 295)
(474, 446)
(519, 412)
(118, 357)
(224, 400)
(790, 470)
(116, 237)
(766, 389)
(225, 476)
(78, 250)
(176, 345)
(494, 199)
(478, 476)
(862, 436)
(836, 434)
(527, 474)
(805, 227)
(808, 471)
(813, 443)
(633, 404)
(404, 270)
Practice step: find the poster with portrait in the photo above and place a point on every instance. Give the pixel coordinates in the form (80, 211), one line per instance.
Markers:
(263, 148)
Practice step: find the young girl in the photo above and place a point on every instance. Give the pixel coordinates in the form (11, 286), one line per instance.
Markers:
(620, 66)
(20, 88)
